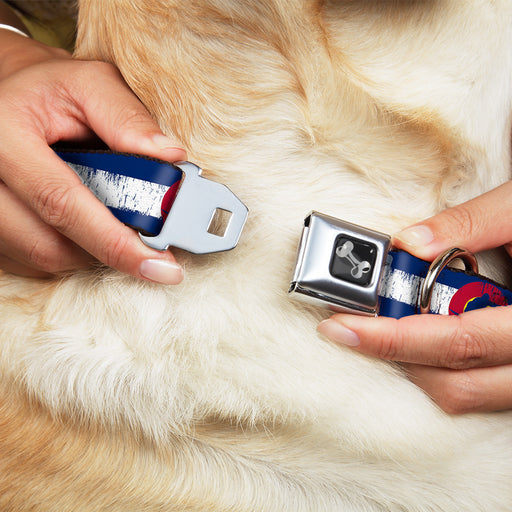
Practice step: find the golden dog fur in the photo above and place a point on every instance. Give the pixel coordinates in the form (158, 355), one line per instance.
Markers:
(218, 395)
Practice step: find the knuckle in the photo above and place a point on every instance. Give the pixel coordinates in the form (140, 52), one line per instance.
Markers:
(115, 251)
(460, 220)
(465, 348)
(43, 257)
(386, 349)
(389, 345)
(460, 394)
(133, 117)
(54, 204)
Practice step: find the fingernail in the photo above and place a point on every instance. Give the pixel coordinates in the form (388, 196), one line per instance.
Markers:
(164, 143)
(416, 236)
(161, 271)
(338, 333)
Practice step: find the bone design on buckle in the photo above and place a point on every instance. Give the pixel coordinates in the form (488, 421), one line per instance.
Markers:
(353, 260)
(351, 269)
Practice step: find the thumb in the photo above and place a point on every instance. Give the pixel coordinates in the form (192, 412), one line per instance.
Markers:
(479, 224)
(119, 118)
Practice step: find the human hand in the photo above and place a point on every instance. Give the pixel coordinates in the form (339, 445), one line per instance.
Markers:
(49, 221)
(463, 362)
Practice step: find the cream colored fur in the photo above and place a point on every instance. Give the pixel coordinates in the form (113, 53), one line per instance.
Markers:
(218, 395)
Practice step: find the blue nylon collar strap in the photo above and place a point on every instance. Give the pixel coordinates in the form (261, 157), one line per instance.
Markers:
(170, 205)
(341, 265)
(351, 269)
(133, 188)
(454, 291)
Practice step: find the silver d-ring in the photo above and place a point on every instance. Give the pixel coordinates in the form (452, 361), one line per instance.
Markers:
(427, 287)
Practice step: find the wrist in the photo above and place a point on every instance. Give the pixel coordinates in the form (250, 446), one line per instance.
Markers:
(11, 28)
(9, 18)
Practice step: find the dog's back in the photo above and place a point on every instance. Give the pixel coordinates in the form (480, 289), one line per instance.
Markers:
(217, 394)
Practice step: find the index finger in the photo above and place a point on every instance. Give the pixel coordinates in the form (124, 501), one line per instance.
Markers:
(478, 224)
(474, 339)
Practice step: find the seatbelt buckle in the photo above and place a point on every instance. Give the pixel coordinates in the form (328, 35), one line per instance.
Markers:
(339, 265)
(190, 222)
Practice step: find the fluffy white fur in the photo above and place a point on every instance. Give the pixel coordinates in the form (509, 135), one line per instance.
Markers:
(218, 394)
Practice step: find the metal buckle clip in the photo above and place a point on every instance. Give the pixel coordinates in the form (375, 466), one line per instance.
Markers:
(188, 223)
(339, 265)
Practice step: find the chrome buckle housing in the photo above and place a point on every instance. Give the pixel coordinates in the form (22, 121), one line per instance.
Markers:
(339, 265)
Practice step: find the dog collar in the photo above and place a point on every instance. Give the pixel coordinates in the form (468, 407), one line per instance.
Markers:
(351, 269)
(169, 204)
